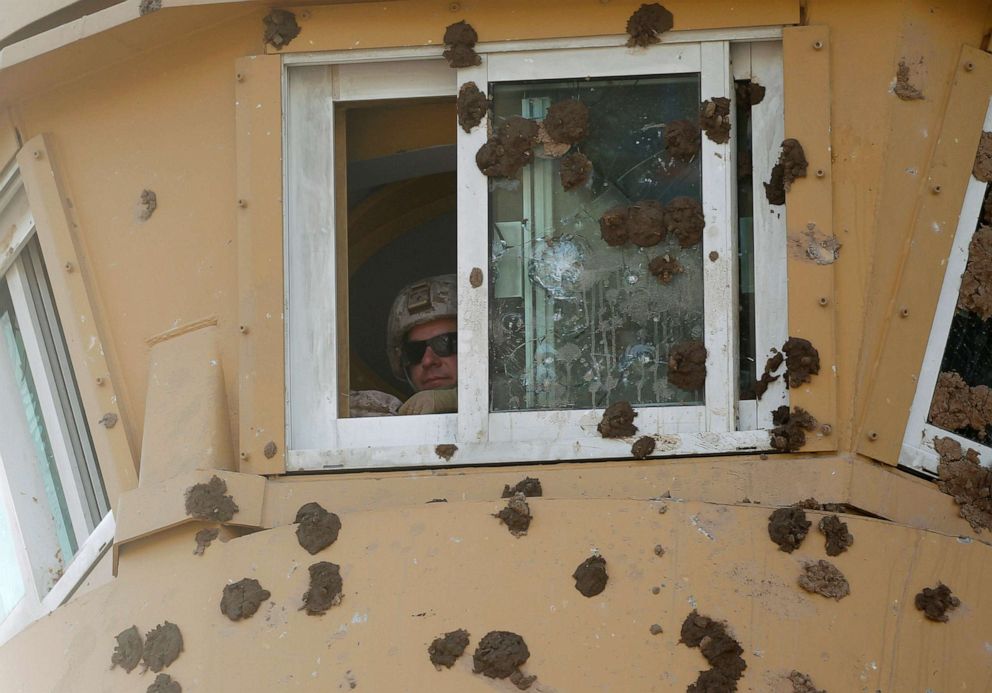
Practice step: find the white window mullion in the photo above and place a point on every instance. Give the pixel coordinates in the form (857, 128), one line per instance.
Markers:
(719, 249)
(771, 287)
(473, 252)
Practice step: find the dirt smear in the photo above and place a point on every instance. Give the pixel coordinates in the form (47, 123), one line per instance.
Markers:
(210, 501)
(618, 421)
(773, 363)
(956, 405)
(613, 226)
(664, 268)
(149, 6)
(242, 598)
(802, 683)
(317, 528)
(802, 361)
(687, 366)
(813, 245)
(147, 204)
(567, 122)
(460, 39)
(787, 527)
(791, 165)
(127, 651)
(642, 447)
(472, 106)
(682, 140)
(590, 576)
(500, 654)
(203, 539)
(789, 433)
(721, 650)
(508, 149)
(280, 28)
(838, 537)
(446, 451)
(448, 648)
(982, 170)
(749, 93)
(935, 602)
(976, 282)
(647, 23)
(516, 515)
(163, 643)
(574, 171)
(903, 89)
(684, 219)
(714, 118)
(325, 588)
(961, 476)
(529, 486)
(823, 577)
(163, 683)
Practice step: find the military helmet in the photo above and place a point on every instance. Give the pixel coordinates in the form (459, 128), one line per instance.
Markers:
(416, 304)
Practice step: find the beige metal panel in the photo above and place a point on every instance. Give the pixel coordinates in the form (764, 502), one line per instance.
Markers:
(422, 22)
(809, 210)
(923, 257)
(17, 14)
(261, 381)
(84, 328)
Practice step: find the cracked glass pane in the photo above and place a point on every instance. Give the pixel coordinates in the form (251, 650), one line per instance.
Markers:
(576, 322)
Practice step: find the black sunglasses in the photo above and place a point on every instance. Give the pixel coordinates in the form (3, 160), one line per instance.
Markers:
(442, 345)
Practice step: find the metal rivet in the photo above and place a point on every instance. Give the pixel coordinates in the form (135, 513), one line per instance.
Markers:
(824, 301)
(68, 267)
(240, 76)
(826, 429)
(243, 329)
(454, 7)
(935, 190)
(99, 380)
(817, 45)
(36, 153)
(244, 455)
(872, 435)
(242, 202)
(904, 312)
(820, 173)
(969, 66)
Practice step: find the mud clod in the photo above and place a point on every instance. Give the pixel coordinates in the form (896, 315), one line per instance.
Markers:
(521, 680)
(500, 653)
(714, 117)
(659, 550)
(528, 486)
(775, 187)
(149, 6)
(802, 683)
(475, 277)
(824, 578)
(575, 170)
(956, 406)
(802, 361)
(655, 629)
(460, 39)
(280, 28)
(508, 149)
(317, 528)
(642, 447)
(446, 649)
(687, 366)
(210, 501)
(684, 219)
(325, 588)
(516, 515)
(790, 429)
(163, 643)
(749, 93)
(127, 651)
(773, 363)
(242, 599)
(787, 527)
(665, 267)
(646, 223)
(647, 23)
(682, 140)
(961, 476)
(976, 282)
(720, 649)
(791, 165)
(163, 683)
(838, 538)
(613, 226)
(590, 576)
(147, 204)
(618, 421)
(935, 602)
(446, 451)
(203, 539)
(472, 106)
(270, 450)
(982, 169)
(903, 89)
(567, 122)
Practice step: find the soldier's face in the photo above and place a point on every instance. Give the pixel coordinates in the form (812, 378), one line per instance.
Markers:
(433, 371)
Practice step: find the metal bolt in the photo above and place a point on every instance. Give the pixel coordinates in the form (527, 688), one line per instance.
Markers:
(904, 312)
(824, 301)
(820, 173)
(243, 329)
(817, 45)
(244, 455)
(99, 381)
(872, 435)
(935, 189)
(969, 66)
(454, 7)
(36, 153)
(826, 429)
(242, 202)
(240, 76)
(68, 267)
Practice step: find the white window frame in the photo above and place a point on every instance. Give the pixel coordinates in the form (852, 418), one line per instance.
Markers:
(917, 447)
(319, 440)
(49, 579)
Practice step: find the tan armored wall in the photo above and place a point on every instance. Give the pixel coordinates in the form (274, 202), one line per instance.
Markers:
(121, 116)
